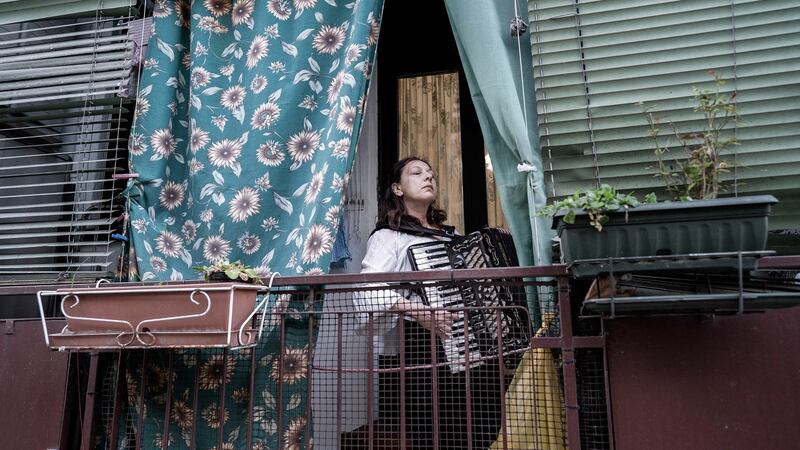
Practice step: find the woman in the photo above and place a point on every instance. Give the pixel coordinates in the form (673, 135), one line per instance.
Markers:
(408, 215)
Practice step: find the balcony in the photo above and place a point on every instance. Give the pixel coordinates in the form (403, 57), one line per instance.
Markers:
(329, 369)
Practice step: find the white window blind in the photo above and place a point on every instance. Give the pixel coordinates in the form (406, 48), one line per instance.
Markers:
(594, 60)
(20, 11)
(65, 112)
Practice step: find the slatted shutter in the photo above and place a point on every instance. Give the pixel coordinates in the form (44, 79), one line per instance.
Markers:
(594, 60)
(65, 110)
(22, 11)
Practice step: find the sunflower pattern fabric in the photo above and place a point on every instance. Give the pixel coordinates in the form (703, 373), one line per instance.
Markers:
(245, 127)
(207, 393)
(246, 122)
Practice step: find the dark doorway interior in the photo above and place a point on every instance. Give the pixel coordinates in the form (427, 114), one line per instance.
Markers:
(416, 39)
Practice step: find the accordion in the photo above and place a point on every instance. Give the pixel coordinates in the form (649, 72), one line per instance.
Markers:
(497, 309)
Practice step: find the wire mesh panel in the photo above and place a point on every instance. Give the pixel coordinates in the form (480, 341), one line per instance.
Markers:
(420, 377)
(358, 367)
(595, 432)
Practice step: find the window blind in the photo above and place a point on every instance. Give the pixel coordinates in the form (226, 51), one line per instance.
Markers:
(20, 11)
(595, 60)
(65, 111)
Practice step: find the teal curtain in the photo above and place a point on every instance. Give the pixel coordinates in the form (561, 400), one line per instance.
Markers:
(208, 392)
(504, 98)
(246, 124)
(245, 131)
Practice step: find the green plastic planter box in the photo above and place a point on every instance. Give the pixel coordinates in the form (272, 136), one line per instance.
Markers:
(671, 228)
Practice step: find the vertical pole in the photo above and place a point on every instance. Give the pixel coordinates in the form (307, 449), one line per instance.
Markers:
(140, 414)
(195, 400)
(309, 369)
(534, 353)
(501, 375)
(370, 383)
(339, 367)
(467, 385)
(608, 398)
(87, 432)
(402, 362)
(568, 356)
(435, 393)
(223, 385)
(120, 387)
(165, 433)
(250, 399)
(282, 348)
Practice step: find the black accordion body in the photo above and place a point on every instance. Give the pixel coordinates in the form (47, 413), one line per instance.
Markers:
(482, 333)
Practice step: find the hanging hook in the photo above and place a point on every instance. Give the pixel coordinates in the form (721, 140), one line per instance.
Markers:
(262, 306)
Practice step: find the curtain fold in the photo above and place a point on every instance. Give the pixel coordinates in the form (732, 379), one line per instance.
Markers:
(497, 67)
(244, 137)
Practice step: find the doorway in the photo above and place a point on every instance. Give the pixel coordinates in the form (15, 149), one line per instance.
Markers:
(417, 53)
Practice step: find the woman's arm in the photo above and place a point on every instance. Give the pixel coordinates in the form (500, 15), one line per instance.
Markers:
(384, 255)
(381, 256)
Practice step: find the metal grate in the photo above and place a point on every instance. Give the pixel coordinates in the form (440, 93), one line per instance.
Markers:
(378, 379)
(594, 423)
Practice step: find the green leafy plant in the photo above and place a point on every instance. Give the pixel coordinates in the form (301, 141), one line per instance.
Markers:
(233, 270)
(597, 203)
(698, 174)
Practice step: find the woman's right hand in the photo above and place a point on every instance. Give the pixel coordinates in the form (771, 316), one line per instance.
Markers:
(439, 321)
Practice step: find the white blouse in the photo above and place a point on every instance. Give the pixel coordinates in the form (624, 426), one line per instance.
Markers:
(386, 252)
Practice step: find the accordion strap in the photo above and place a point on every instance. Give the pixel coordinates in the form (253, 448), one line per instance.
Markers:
(446, 231)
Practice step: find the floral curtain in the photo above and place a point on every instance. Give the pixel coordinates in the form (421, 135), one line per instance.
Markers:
(205, 395)
(245, 129)
(246, 122)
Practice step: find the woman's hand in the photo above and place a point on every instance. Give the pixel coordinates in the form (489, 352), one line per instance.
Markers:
(437, 320)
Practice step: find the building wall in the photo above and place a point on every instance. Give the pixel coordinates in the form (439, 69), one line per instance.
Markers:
(33, 387)
(687, 382)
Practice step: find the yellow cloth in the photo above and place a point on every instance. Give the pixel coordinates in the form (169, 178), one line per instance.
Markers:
(535, 402)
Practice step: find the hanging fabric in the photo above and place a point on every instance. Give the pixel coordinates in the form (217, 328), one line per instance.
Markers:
(498, 65)
(245, 132)
(246, 124)
(340, 255)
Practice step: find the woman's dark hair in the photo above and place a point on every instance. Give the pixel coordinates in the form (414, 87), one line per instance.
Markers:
(392, 209)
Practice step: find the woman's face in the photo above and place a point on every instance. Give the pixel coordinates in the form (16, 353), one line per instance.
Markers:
(417, 183)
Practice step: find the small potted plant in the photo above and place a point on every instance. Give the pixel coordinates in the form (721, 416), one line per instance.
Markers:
(603, 223)
(226, 271)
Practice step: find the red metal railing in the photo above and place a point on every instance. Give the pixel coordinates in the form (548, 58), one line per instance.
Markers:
(327, 371)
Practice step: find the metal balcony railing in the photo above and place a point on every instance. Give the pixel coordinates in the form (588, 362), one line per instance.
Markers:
(336, 369)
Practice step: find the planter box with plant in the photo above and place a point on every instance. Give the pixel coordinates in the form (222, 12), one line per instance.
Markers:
(120, 315)
(226, 271)
(603, 223)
